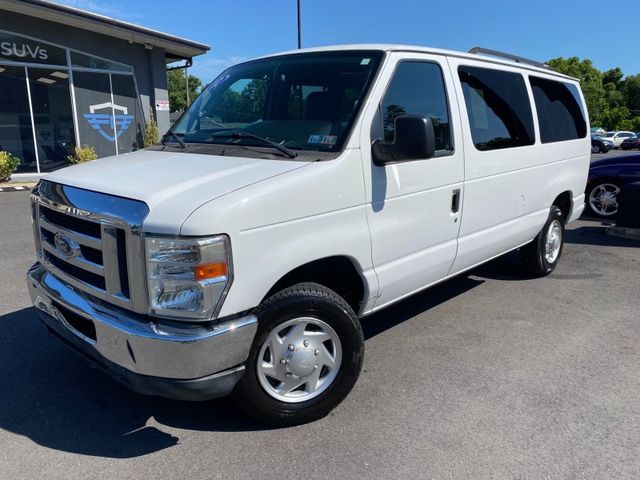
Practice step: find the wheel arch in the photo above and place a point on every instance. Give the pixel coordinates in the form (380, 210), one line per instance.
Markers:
(564, 202)
(339, 273)
(604, 178)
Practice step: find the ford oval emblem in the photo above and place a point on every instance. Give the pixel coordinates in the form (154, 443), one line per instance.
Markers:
(65, 245)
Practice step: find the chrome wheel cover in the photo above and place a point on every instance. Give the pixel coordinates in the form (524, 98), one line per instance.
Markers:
(299, 360)
(603, 199)
(553, 241)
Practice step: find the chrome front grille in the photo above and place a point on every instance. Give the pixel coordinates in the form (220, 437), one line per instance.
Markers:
(92, 246)
(82, 239)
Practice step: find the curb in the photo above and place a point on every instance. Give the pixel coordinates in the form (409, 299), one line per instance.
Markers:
(13, 189)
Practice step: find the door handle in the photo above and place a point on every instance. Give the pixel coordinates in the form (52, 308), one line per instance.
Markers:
(455, 200)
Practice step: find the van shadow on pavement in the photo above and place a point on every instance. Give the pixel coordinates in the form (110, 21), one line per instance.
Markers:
(58, 400)
(55, 398)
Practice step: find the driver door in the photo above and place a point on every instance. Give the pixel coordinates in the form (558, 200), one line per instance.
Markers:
(413, 207)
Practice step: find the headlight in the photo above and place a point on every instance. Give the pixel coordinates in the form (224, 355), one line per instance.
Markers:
(187, 278)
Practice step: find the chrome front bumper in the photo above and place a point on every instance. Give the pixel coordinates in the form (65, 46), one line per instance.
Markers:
(185, 361)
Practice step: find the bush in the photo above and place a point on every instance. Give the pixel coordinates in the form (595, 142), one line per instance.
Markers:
(82, 154)
(8, 165)
(151, 134)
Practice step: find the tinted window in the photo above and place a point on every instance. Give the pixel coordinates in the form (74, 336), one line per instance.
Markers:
(52, 116)
(559, 109)
(417, 88)
(16, 135)
(498, 108)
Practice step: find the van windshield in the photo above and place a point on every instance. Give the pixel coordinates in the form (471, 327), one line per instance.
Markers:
(305, 101)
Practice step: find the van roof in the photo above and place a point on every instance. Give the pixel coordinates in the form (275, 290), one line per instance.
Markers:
(419, 49)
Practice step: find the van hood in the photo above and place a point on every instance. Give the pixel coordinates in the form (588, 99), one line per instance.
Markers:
(172, 184)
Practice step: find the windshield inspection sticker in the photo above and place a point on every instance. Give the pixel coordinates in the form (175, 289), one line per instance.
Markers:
(322, 139)
(365, 61)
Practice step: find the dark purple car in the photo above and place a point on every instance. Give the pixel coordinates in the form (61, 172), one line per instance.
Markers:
(606, 177)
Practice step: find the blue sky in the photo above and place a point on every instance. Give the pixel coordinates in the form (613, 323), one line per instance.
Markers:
(539, 29)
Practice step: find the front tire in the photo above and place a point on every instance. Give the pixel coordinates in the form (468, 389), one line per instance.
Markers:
(595, 148)
(305, 358)
(541, 255)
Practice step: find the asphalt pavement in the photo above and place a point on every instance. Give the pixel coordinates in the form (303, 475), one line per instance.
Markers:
(489, 375)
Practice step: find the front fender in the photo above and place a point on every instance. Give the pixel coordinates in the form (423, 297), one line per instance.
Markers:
(287, 221)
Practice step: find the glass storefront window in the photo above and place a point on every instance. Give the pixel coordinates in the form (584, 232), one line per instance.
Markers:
(37, 122)
(52, 116)
(128, 115)
(95, 112)
(88, 61)
(16, 135)
(17, 48)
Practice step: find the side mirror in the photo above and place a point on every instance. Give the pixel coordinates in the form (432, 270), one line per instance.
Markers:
(414, 140)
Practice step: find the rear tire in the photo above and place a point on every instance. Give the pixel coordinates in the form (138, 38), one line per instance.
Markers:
(540, 256)
(305, 358)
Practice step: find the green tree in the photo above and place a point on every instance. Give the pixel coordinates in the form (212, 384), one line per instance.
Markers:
(177, 85)
(617, 118)
(612, 81)
(631, 90)
(615, 98)
(613, 76)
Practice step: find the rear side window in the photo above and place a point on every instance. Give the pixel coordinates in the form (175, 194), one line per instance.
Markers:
(498, 108)
(559, 109)
(417, 88)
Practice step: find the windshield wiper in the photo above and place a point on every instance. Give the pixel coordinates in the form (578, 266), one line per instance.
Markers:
(174, 135)
(281, 148)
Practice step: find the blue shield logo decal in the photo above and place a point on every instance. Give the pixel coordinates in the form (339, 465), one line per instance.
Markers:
(112, 121)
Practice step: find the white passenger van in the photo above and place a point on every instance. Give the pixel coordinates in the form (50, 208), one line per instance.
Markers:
(299, 193)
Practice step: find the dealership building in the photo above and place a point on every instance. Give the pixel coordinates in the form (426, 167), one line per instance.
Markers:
(70, 77)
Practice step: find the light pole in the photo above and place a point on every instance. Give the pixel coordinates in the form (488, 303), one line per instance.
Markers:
(299, 28)
(186, 76)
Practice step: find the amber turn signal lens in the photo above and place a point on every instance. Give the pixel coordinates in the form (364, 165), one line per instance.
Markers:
(210, 270)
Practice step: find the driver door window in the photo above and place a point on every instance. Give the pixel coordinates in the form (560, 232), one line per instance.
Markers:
(416, 88)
